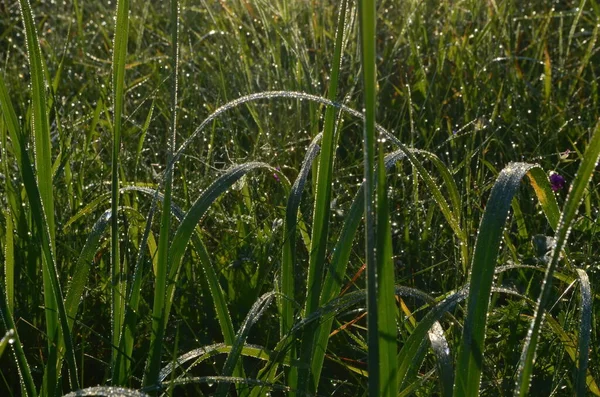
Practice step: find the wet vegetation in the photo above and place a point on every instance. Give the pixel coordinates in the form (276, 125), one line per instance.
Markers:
(256, 197)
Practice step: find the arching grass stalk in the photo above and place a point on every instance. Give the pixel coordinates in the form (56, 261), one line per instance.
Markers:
(118, 273)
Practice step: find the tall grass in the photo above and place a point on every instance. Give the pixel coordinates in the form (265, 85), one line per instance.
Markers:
(386, 183)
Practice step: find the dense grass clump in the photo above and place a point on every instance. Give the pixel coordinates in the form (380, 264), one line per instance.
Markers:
(299, 198)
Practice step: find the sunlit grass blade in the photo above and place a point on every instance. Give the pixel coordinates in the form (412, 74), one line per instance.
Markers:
(585, 329)
(43, 167)
(106, 391)
(158, 319)
(487, 245)
(53, 295)
(322, 210)
(256, 312)
(288, 263)
(578, 188)
(204, 353)
(9, 262)
(118, 273)
(444, 360)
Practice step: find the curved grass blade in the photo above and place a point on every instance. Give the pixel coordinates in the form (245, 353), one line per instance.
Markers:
(487, 245)
(585, 328)
(255, 313)
(413, 343)
(178, 247)
(219, 301)
(204, 353)
(578, 188)
(118, 273)
(288, 263)
(247, 382)
(105, 391)
(468, 371)
(82, 267)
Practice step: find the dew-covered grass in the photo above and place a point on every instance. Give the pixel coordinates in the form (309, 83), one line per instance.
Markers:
(183, 190)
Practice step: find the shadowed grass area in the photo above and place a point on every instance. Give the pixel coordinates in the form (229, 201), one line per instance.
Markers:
(413, 185)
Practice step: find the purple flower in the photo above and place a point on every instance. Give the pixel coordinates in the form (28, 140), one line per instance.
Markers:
(557, 181)
(275, 174)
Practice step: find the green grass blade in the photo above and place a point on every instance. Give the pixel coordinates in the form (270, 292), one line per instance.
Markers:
(9, 262)
(118, 278)
(322, 211)
(412, 344)
(367, 17)
(386, 299)
(43, 166)
(203, 353)
(40, 127)
(578, 188)
(585, 330)
(21, 358)
(154, 361)
(212, 280)
(106, 391)
(288, 263)
(82, 267)
(53, 295)
(184, 233)
(487, 245)
(256, 312)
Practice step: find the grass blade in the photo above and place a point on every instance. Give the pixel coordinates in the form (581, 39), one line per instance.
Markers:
(118, 273)
(578, 188)
(82, 268)
(367, 17)
(288, 263)
(9, 262)
(585, 329)
(322, 211)
(470, 356)
(255, 313)
(154, 360)
(22, 364)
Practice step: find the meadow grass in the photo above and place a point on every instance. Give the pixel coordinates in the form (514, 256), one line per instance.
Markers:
(302, 198)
